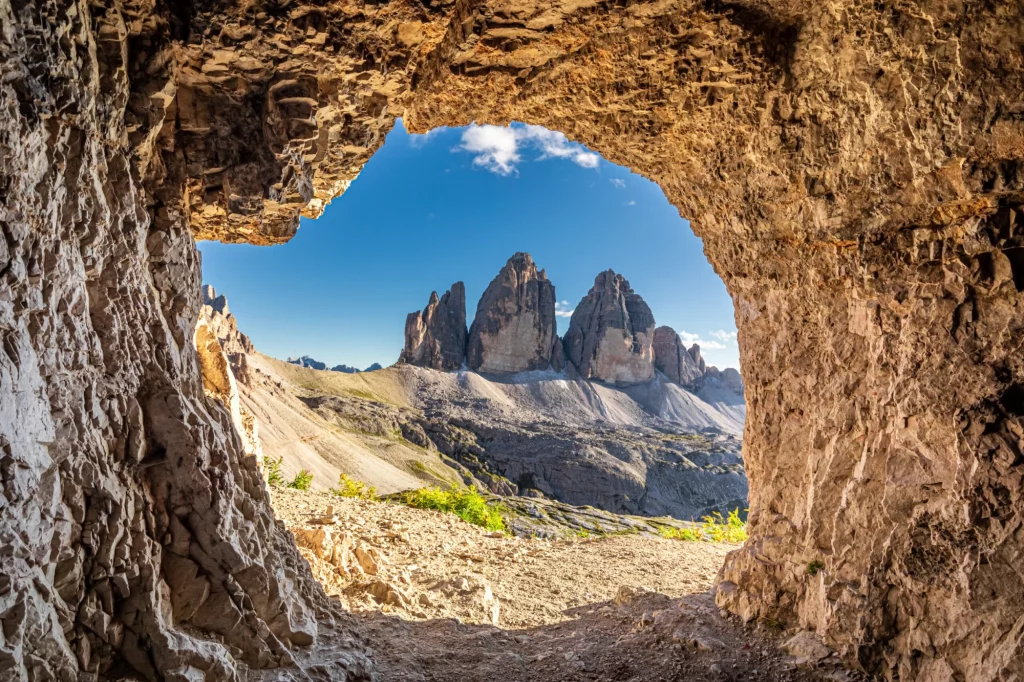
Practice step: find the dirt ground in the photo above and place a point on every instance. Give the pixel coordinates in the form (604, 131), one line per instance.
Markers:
(439, 600)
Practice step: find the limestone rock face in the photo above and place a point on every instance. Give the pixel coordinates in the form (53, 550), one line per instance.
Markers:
(514, 328)
(436, 337)
(698, 360)
(672, 359)
(853, 170)
(222, 324)
(611, 333)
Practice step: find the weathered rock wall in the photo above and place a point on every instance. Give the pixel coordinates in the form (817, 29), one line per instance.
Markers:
(611, 333)
(514, 327)
(853, 168)
(436, 337)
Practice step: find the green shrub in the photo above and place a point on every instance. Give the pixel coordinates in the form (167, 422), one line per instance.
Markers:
(718, 529)
(272, 467)
(715, 528)
(466, 503)
(688, 534)
(350, 487)
(814, 567)
(302, 480)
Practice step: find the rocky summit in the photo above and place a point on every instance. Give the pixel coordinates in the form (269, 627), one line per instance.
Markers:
(514, 329)
(672, 359)
(436, 337)
(611, 333)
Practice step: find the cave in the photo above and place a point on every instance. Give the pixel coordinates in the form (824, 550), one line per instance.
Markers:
(852, 168)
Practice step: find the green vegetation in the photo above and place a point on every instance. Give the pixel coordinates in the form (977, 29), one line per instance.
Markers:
(814, 567)
(350, 487)
(272, 467)
(464, 502)
(302, 480)
(715, 528)
(688, 534)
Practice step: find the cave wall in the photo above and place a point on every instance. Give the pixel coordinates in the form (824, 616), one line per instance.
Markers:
(854, 169)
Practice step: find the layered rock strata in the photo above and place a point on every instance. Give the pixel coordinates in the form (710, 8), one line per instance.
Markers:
(673, 360)
(436, 336)
(853, 170)
(514, 328)
(611, 333)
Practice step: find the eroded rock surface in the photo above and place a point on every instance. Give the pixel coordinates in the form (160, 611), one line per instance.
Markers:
(436, 337)
(673, 360)
(611, 333)
(853, 170)
(514, 328)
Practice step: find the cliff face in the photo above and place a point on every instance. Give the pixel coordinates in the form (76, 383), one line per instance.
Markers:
(436, 337)
(611, 333)
(852, 169)
(673, 360)
(514, 328)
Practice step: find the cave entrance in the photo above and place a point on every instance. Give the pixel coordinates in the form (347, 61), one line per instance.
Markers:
(576, 361)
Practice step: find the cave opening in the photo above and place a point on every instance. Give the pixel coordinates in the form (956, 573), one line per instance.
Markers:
(854, 178)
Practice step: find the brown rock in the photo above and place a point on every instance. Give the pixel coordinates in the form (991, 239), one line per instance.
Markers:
(436, 337)
(673, 360)
(611, 333)
(514, 328)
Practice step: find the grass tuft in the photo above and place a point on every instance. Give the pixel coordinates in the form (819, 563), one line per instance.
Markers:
(350, 487)
(466, 503)
(814, 567)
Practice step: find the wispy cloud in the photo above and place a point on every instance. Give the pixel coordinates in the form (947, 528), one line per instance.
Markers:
(689, 338)
(630, 203)
(497, 148)
(419, 141)
(562, 309)
(617, 183)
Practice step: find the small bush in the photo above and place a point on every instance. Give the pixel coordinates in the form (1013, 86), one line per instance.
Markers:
(302, 480)
(350, 487)
(718, 529)
(466, 503)
(272, 467)
(715, 528)
(814, 567)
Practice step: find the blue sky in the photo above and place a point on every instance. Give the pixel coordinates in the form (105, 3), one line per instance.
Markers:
(429, 210)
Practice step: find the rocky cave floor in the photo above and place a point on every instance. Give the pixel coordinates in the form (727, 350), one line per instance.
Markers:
(440, 600)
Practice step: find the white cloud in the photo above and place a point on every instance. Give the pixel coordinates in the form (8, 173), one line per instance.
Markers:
(419, 141)
(617, 183)
(723, 335)
(497, 148)
(561, 309)
(631, 203)
(688, 338)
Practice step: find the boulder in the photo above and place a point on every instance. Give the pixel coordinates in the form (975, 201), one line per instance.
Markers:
(611, 333)
(672, 359)
(514, 329)
(436, 337)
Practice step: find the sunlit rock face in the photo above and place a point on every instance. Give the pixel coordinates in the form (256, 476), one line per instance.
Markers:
(611, 333)
(854, 172)
(436, 337)
(514, 328)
